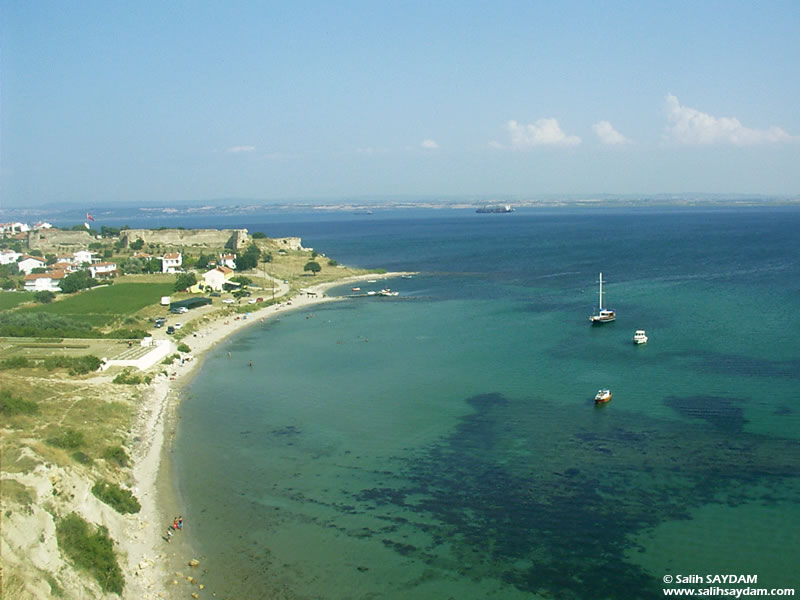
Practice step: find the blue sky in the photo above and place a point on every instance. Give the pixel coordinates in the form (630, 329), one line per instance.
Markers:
(193, 101)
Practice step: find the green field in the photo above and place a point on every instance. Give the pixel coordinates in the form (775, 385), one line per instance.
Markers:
(12, 299)
(105, 305)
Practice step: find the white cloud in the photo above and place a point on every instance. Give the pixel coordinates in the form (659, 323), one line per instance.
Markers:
(544, 132)
(690, 126)
(429, 144)
(237, 149)
(608, 135)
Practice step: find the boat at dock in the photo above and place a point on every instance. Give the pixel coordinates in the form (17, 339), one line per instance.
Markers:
(640, 337)
(602, 396)
(603, 315)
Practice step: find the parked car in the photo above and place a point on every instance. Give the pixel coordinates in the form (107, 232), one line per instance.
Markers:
(177, 325)
(259, 299)
(251, 301)
(215, 294)
(170, 330)
(179, 310)
(228, 301)
(158, 324)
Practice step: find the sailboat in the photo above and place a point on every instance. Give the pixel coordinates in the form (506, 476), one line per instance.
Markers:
(603, 315)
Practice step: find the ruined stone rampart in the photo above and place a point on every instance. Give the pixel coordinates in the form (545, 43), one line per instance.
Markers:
(289, 243)
(56, 239)
(235, 239)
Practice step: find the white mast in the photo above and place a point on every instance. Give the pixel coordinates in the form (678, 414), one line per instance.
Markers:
(601, 292)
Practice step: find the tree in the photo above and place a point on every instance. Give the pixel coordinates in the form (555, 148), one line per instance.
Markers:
(153, 265)
(332, 263)
(44, 296)
(259, 235)
(133, 266)
(137, 245)
(313, 267)
(245, 281)
(184, 281)
(248, 260)
(202, 261)
(80, 280)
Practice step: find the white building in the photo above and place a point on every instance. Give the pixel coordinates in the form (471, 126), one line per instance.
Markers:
(29, 263)
(171, 262)
(103, 269)
(84, 256)
(227, 260)
(9, 256)
(216, 277)
(41, 282)
(14, 227)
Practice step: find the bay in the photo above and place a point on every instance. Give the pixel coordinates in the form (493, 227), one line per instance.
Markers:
(444, 443)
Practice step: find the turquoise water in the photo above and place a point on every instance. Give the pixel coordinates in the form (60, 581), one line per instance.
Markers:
(444, 443)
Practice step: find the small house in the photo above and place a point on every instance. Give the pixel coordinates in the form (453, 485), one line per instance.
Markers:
(171, 262)
(40, 282)
(215, 278)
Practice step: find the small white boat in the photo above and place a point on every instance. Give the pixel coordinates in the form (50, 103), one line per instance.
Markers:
(355, 289)
(640, 337)
(602, 396)
(387, 292)
(603, 315)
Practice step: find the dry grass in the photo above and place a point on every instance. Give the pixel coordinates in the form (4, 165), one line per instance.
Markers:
(101, 412)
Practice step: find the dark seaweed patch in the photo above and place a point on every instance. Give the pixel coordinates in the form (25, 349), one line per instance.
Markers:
(723, 413)
(553, 510)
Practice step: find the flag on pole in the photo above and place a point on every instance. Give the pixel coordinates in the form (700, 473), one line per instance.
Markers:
(90, 217)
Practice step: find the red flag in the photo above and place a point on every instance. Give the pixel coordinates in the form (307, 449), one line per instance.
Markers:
(90, 217)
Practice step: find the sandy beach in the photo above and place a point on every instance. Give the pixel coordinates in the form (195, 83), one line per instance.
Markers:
(155, 568)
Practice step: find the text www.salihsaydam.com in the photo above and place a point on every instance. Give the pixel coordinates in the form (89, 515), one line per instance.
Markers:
(728, 592)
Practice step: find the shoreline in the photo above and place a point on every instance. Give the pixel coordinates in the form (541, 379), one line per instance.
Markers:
(150, 563)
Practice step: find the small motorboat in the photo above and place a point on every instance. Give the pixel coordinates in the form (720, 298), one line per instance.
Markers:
(640, 337)
(602, 396)
(355, 289)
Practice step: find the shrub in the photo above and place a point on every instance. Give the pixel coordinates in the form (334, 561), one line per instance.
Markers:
(11, 405)
(183, 348)
(44, 296)
(128, 378)
(16, 362)
(120, 499)
(92, 550)
(117, 454)
(77, 365)
(332, 263)
(82, 458)
(170, 359)
(69, 439)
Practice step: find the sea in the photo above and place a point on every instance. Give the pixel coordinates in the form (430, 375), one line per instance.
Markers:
(444, 443)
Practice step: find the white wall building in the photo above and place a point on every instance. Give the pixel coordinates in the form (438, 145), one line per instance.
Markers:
(29, 263)
(41, 282)
(84, 256)
(9, 256)
(216, 277)
(171, 262)
(103, 269)
(227, 260)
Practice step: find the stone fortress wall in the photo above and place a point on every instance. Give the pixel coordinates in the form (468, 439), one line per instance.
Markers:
(235, 239)
(60, 240)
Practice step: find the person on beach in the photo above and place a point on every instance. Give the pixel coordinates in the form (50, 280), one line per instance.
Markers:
(169, 535)
(180, 522)
(175, 523)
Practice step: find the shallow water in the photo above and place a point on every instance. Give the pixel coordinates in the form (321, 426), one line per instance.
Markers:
(444, 443)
